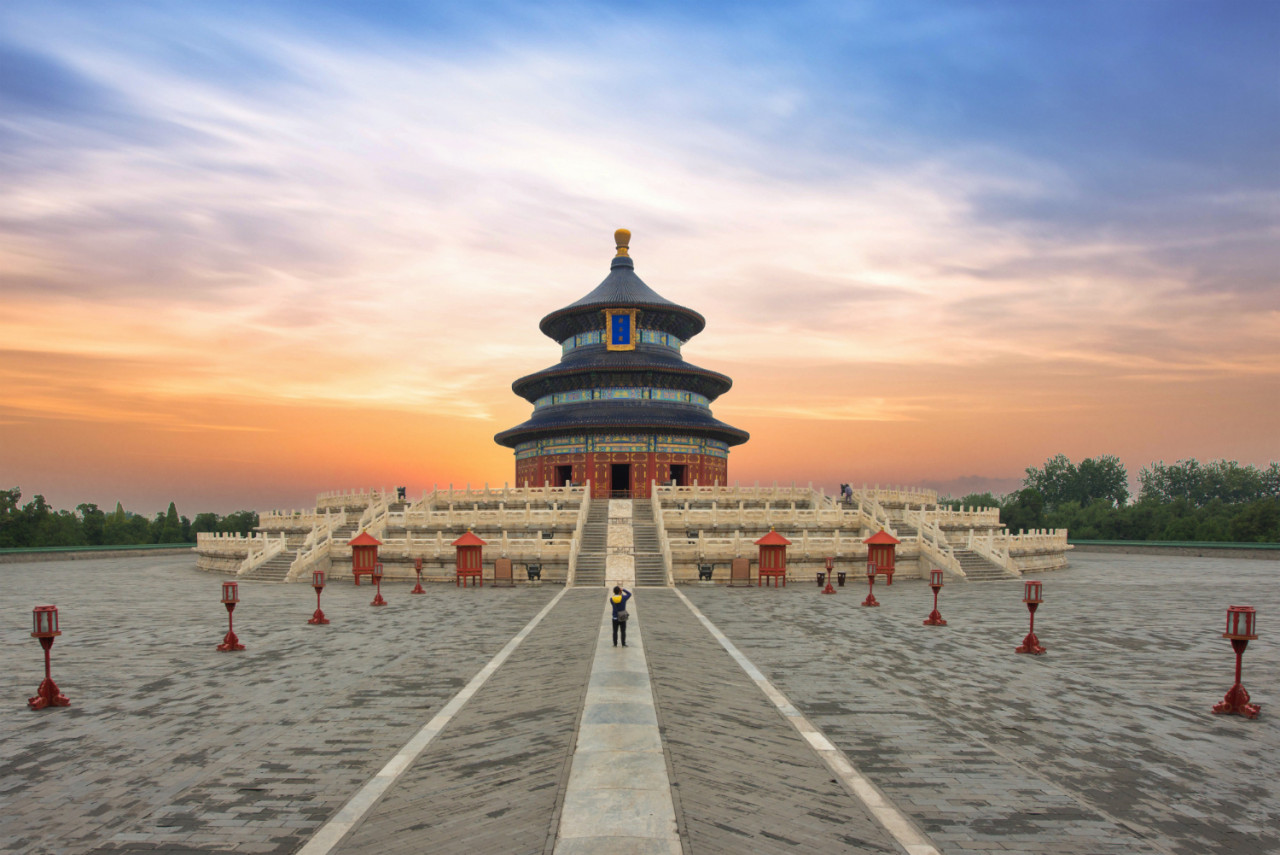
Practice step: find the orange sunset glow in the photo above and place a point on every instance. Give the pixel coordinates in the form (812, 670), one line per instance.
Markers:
(245, 258)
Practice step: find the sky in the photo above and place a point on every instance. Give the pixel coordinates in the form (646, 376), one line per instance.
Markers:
(254, 251)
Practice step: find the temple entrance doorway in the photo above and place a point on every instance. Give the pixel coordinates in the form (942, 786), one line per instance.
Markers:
(620, 480)
(564, 476)
(679, 478)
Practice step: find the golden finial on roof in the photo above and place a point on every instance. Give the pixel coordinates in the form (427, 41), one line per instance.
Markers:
(622, 237)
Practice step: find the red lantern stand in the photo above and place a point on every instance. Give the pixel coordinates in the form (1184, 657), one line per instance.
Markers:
(830, 572)
(1033, 597)
(935, 582)
(773, 558)
(417, 568)
(1241, 629)
(470, 560)
(230, 596)
(44, 626)
(880, 552)
(317, 582)
(364, 555)
(377, 580)
(871, 585)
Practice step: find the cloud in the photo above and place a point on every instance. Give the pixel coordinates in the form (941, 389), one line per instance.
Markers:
(356, 211)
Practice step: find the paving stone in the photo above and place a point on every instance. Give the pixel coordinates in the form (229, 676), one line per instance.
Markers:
(1107, 737)
(1103, 745)
(493, 779)
(747, 781)
(165, 729)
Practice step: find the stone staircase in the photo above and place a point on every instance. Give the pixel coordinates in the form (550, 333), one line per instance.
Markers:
(274, 569)
(905, 530)
(651, 570)
(593, 551)
(978, 569)
(343, 533)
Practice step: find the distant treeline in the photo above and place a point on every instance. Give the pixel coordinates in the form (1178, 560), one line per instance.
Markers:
(1219, 501)
(37, 524)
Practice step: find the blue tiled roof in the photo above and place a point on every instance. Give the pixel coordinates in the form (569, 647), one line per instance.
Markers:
(612, 415)
(623, 289)
(640, 366)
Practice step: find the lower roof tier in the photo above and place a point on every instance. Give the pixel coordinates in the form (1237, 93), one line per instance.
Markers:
(628, 369)
(601, 415)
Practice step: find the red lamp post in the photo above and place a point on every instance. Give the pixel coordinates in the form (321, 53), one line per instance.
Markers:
(871, 585)
(377, 580)
(1241, 629)
(417, 568)
(1033, 597)
(830, 572)
(44, 626)
(230, 596)
(935, 582)
(317, 582)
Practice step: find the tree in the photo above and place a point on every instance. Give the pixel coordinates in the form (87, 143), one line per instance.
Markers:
(11, 519)
(1061, 481)
(171, 527)
(93, 522)
(1102, 478)
(1258, 522)
(1055, 482)
(1023, 510)
(240, 522)
(204, 522)
(1224, 480)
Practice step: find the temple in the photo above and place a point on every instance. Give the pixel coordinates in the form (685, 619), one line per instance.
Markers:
(622, 477)
(622, 410)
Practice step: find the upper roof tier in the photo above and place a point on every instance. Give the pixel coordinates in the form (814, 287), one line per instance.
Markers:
(623, 289)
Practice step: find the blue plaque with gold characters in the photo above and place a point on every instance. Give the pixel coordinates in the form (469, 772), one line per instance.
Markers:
(621, 326)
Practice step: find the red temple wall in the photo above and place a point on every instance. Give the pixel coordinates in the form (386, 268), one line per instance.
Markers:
(645, 467)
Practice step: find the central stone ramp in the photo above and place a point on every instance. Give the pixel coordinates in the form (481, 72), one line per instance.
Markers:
(744, 780)
(619, 795)
(493, 780)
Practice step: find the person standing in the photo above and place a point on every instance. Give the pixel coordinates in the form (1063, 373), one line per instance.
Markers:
(620, 614)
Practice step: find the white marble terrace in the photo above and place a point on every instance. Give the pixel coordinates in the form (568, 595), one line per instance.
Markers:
(696, 525)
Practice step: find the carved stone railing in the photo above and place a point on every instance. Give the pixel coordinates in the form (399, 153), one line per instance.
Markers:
(220, 543)
(994, 548)
(316, 549)
(967, 517)
(508, 495)
(338, 499)
(901, 495)
(876, 515)
(1039, 540)
(660, 525)
(575, 547)
(289, 520)
(521, 516)
(932, 541)
(261, 551)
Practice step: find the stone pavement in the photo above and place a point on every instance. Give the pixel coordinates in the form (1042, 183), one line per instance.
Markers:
(1104, 744)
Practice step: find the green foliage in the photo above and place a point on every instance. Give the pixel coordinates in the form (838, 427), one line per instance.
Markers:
(1061, 482)
(1224, 480)
(36, 524)
(972, 500)
(1216, 502)
(240, 522)
(1023, 510)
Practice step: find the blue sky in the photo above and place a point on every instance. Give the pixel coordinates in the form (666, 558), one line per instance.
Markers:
(1058, 217)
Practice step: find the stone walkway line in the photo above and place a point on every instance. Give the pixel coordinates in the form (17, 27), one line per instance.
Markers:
(332, 832)
(893, 820)
(619, 796)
